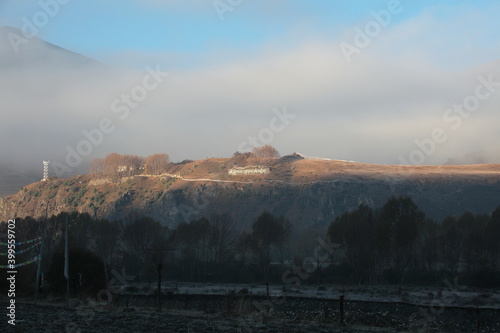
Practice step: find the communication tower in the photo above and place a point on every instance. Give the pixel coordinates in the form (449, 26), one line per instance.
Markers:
(45, 170)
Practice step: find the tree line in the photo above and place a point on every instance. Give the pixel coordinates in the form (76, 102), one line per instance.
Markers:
(205, 249)
(396, 243)
(116, 165)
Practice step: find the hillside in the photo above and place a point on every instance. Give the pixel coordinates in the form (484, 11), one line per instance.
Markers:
(20, 53)
(307, 191)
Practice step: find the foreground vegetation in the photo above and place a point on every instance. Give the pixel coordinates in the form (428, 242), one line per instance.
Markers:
(393, 244)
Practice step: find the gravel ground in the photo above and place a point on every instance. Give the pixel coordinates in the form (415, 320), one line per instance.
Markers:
(209, 313)
(47, 318)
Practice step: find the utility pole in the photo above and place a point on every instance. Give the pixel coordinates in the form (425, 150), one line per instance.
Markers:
(38, 269)
(158, 299)
(66, 258)
(158, 258)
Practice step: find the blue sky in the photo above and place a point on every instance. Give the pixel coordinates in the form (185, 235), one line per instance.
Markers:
(192, 28)
(227, 77)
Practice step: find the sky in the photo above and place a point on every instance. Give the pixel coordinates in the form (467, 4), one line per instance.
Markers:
(192, 29)
(369, 81)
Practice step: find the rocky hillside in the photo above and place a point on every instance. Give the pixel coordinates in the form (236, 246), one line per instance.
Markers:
(307, 191)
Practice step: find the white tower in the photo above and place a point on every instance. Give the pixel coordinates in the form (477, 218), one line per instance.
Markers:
(45, 170)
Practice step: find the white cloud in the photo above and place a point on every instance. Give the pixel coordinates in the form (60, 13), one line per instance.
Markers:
(371, 110)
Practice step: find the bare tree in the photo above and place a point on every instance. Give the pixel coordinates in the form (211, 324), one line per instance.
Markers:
(221, 237)
(192, 240)
(285, 232)
(157, 164)
(355, 231)
(131, 165)
(97, 167)
(265, 151)
(111, 165)
(140, 235)
(265, 234)
(400, 219)
(264, 154)
(115, 165)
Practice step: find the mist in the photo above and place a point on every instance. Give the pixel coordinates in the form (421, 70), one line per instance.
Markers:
(371, 110)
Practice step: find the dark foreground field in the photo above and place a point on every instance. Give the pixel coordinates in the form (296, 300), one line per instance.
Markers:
(240, 313)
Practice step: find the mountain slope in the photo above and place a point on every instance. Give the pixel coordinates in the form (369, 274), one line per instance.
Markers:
(18, 52)
(33, 71)
(308, 192)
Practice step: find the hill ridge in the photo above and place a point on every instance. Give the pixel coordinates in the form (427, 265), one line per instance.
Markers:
(308, 192)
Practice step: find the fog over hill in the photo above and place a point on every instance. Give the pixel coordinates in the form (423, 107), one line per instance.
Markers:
(46, 91)
(370, 111)
(489, 155)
